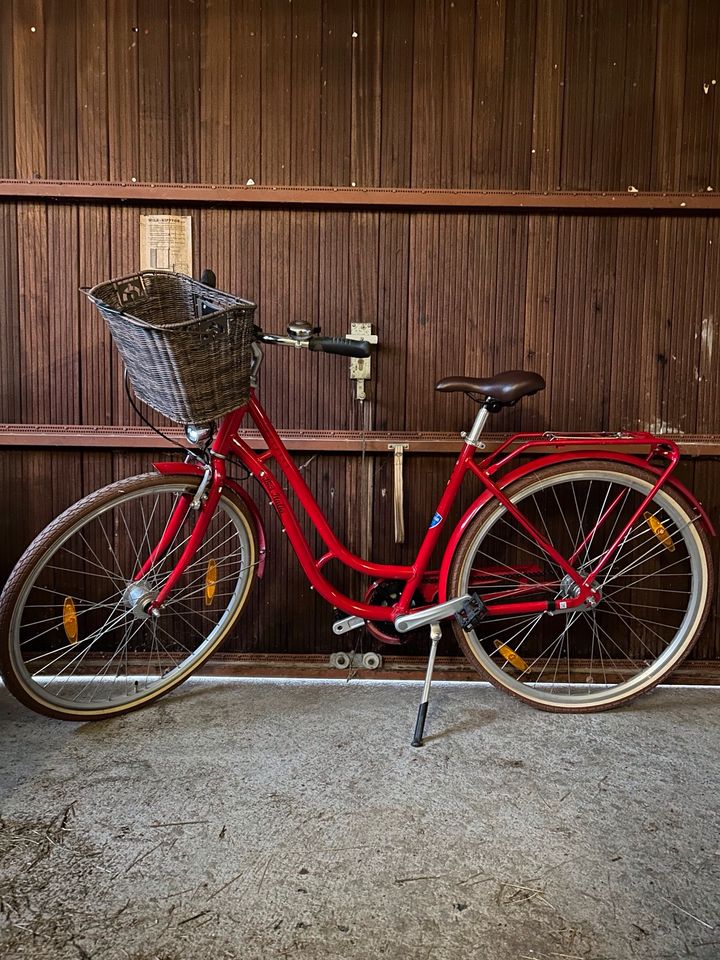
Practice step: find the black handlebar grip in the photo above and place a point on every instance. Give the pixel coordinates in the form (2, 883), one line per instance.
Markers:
(208, 277)
(341, 346)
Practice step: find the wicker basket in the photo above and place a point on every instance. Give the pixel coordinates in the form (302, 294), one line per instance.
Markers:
(186, 347)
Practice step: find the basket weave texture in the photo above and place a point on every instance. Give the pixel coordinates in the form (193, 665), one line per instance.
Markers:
(186, 346)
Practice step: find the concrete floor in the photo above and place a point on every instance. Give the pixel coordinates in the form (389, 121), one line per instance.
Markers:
(265, 819)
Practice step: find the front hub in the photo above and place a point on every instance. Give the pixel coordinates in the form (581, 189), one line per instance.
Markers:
(137, 597)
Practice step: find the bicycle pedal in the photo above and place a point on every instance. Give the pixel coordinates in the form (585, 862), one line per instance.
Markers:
(471, 615)
(347, 624)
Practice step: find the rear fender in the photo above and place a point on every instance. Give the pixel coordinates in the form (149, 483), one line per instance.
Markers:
(550, 461)
(195, 470)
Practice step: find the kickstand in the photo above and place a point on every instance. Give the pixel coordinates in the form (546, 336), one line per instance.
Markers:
(435, 634)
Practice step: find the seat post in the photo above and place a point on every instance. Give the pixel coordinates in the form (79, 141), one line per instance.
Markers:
(477, 428)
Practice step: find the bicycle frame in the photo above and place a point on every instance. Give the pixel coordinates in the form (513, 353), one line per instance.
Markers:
(227, 441)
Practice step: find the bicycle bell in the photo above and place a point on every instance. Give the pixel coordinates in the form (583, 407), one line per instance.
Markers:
(299, 330)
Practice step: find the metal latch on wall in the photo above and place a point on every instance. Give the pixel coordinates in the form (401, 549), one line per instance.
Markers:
(360, 368)
(398, 492)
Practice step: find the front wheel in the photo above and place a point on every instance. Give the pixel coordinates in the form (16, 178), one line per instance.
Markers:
(655, 587)
(76, 641)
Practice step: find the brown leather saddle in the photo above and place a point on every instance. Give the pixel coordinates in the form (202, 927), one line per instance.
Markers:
(501, 390)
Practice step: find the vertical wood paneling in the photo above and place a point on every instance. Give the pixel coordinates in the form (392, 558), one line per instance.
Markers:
(122, 66)
(709, 339)
(700, 159)
(276, 96)
(336, 267)
(684, 322)
(620, 313)
(93, 221)
(548, 94)
(305, 81)
(61, 57)
(366, 94)
(245, 91)
(213, 242)
(649, 328)
(124, 239)
(390, 363)
(488, 93)
(184, 67)
(154, 89)
(636, 148)
(584, 324)
(635, 381)
(429, 46)
(97, 364)
(363, 268)
(335, 102)
(60, 321)
(61, 304)
(579, 81)
(215, 104)
(494, 93)
(91, 111)
(245, 266)
(246, 129)
(662, 308)
(364, 238)
(7, 89)
(457, 95)
(423, 285)
(606, 158)
(539, 316)
(669, 91)
(518, 94)
(32, 241)
(285, 397)
(303, 303)
(29, 39)
(397, 71)
(11, 356)
(482, 270)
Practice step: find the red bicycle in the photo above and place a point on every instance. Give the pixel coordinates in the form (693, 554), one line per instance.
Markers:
(576, 579)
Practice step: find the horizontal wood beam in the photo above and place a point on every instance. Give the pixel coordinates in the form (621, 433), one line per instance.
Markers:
(314, 441)
(185, 194)
(394, 666)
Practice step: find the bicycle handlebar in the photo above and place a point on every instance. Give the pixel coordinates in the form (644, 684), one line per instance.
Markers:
(338, 345)
(341, 346)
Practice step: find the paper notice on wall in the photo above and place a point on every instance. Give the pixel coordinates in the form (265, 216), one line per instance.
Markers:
(166, 243)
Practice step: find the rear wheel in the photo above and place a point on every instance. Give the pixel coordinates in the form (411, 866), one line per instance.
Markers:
(76, 640)
(655, 588)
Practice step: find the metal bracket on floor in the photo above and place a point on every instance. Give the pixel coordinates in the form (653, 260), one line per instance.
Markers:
(358, 661)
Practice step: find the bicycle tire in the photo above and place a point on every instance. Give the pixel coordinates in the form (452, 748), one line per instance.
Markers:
(53, 605)
(667, 556)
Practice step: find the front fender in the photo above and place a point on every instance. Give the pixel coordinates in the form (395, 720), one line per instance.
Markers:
(552, 460)
(195, 470)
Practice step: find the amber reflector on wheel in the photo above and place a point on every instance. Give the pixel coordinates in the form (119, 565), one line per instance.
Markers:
(210, 582)
(70, 623)
(514, 659)
(660, 532)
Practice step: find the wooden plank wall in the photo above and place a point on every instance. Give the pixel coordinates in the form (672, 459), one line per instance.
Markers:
(619, 312)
